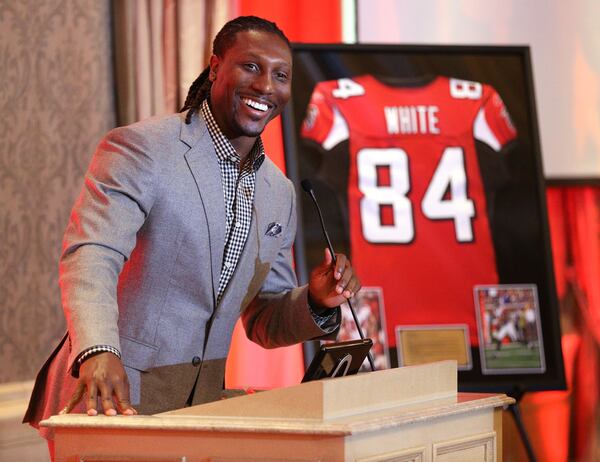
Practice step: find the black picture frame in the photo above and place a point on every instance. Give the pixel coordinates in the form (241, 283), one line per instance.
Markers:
(338, 359)
(523, 254)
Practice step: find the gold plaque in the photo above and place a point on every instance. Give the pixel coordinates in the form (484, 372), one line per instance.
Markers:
(429, 343)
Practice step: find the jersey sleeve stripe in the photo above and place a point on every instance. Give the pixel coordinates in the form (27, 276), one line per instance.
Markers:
(338, 133)
(483, 132)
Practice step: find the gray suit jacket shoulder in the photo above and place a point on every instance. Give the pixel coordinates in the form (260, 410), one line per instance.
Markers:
(141, 261)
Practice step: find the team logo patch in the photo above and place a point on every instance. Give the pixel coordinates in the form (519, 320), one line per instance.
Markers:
(312, 112)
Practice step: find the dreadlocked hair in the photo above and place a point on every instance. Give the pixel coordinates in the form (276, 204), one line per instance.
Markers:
(198, 92)
(200, 88)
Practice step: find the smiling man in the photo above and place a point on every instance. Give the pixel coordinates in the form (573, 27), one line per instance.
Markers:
(184, 225)
(251, 83)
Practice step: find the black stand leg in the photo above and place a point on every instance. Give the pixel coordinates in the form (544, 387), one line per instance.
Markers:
(516, 412)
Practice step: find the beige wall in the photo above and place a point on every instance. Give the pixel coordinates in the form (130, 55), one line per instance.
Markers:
(56, 101)
(565, 54)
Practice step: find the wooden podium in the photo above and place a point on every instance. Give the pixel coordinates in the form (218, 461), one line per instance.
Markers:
(406, 414)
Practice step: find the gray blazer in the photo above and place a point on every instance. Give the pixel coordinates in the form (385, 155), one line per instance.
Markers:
(140, 269)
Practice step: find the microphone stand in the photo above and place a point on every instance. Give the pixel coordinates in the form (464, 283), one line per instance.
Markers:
(309, 190)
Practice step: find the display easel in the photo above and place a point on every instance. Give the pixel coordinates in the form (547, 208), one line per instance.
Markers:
(517, 394)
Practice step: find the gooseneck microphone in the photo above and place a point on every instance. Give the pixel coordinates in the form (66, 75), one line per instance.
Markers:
(309, 190)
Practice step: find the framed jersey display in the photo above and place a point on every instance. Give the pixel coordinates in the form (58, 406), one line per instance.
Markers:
(426, 163)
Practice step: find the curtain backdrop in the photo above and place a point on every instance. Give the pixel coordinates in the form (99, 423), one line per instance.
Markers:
(160, 47)
(574, 216)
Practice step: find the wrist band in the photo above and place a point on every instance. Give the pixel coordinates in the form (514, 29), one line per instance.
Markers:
(92, 351)
(97, 349)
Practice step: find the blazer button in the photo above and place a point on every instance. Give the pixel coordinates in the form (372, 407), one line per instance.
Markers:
(196, 361)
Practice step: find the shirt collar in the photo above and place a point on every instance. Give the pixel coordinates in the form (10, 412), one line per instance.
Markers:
(224, 148)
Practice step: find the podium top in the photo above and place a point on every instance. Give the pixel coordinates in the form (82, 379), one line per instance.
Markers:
(343, 396)
(339, 406)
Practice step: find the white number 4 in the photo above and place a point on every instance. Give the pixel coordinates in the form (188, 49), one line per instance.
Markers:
(347, 88)
(449, 176)
(450, 172)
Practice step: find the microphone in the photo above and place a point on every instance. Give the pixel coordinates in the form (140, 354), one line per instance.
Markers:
(309, 190)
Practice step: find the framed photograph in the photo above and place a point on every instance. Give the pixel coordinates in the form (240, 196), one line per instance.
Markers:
(510, 337)
(425, 344)
(370, 311)
(426, 164)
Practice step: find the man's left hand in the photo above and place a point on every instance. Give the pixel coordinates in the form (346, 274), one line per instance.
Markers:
(331, 284)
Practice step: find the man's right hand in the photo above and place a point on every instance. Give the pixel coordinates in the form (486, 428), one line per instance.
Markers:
(102, 376)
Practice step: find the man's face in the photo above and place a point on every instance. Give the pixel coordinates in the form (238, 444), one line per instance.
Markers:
(251, 83)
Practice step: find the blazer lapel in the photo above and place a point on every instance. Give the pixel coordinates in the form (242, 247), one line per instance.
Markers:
(203, 164)
(262, 196)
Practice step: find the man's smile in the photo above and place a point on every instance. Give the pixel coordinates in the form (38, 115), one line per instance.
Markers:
(251, 83)
(254, 104)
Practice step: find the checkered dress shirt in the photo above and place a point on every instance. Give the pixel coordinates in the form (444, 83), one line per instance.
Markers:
(238, 190)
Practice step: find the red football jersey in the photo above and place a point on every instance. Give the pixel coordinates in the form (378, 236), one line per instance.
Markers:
(418, 219)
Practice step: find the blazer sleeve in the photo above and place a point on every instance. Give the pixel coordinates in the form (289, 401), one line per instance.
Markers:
(115, 200)
(279, 315)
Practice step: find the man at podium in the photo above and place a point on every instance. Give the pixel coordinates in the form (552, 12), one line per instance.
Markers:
(184, 225)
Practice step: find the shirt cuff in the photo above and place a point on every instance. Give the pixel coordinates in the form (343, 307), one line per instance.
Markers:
(88, 353)
(327, 319)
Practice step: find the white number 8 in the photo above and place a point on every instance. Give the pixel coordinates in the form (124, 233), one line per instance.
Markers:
(402, 231)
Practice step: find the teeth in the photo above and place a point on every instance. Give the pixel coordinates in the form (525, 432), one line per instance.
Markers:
(255, 104)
